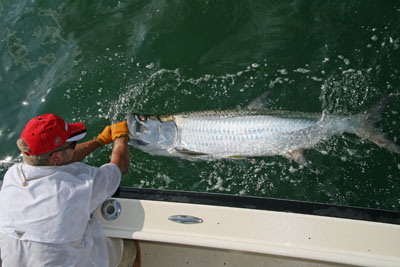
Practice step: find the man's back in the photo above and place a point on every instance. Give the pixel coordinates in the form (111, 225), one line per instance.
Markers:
(49, 219)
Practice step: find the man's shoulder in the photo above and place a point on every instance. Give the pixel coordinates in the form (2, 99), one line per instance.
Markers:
(76, 169)
(14, 166)
(12, 170)
(111, 168)
(79, 167)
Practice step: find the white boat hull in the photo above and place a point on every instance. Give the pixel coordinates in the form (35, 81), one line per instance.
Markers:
(251, 237)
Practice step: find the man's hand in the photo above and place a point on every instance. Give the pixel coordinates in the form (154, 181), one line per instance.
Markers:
(105, 137)
(119, 129)
(120, 154)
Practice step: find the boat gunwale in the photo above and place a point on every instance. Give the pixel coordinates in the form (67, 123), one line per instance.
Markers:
(261, 203)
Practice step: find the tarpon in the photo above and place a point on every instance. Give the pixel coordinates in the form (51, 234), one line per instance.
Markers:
(247, 133)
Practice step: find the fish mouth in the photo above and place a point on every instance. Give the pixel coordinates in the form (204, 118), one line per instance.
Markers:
(158, 130)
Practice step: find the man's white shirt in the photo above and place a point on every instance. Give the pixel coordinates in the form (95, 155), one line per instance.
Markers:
(50, 221)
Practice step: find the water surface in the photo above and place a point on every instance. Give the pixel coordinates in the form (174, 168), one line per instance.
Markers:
(95, 61)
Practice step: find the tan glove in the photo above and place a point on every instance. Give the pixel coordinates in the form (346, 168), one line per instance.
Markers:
(105, 137)
(119, 129)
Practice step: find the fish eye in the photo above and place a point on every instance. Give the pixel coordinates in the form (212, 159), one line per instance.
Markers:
(140, 118)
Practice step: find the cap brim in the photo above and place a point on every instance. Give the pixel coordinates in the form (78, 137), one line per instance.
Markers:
(77, 131)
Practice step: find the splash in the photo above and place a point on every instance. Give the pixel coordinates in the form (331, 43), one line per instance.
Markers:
(157, 90)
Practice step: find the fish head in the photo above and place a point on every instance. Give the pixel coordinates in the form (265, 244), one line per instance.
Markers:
(152, 134)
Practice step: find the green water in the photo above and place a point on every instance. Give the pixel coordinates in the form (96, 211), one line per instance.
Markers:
(95, 61)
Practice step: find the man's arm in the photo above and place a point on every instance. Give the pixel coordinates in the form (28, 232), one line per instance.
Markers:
(84, 149)
(120, 154)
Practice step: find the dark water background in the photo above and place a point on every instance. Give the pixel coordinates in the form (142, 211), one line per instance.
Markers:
(95, 61)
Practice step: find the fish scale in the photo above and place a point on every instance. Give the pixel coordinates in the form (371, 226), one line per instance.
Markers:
(204, 133)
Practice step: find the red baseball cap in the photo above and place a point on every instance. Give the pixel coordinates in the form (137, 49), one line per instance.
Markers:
(47, 132)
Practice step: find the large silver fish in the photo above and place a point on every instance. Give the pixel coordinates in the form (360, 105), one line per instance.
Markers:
(246, 133)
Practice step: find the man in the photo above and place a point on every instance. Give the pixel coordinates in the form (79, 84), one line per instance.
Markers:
(47, 201)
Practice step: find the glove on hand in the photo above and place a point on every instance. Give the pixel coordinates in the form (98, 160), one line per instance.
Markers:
(105, 137)
(119, 129)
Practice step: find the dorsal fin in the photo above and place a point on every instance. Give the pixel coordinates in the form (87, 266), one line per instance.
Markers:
(260, 102)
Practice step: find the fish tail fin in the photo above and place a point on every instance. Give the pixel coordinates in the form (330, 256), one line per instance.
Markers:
(367, 129)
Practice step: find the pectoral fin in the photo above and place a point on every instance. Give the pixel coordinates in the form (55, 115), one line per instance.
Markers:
(187, 152)
(298, 157)
(236, 157)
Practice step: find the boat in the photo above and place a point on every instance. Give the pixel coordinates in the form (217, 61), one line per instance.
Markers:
(177, 228)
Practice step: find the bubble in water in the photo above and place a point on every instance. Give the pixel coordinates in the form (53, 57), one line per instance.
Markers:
(374, 38)
(283, 71)
(314, 78)
(301, 70)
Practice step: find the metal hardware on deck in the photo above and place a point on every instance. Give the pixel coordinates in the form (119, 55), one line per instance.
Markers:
(111, 209)
(185, 219)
